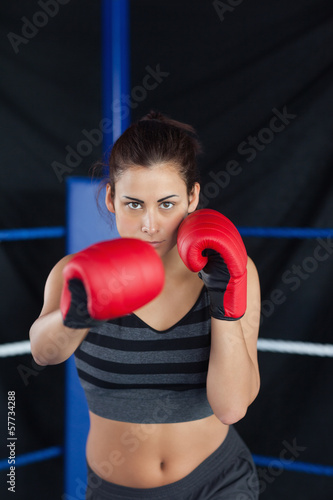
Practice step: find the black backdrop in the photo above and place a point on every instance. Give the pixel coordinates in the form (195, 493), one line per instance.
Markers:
(255, 79)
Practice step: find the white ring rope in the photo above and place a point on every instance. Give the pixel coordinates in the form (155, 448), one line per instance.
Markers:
(292, 347)
(15, 348)
(268, 345)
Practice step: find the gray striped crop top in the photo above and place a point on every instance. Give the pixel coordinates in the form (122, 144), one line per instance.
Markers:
(131, 372)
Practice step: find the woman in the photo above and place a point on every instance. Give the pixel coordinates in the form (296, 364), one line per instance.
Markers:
(164, 384)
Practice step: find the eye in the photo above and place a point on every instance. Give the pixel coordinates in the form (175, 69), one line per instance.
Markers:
(134, 205)
(167, 205)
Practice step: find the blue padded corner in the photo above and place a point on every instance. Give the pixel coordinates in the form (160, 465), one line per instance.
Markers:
(85, 223)
(85, 226)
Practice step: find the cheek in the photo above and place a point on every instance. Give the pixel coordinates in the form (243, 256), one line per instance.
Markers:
(126, 225)
(173, 225)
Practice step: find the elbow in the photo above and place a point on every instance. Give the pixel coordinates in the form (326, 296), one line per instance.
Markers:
(234, 411)
(230, 417)
(35, 352)
(36, 355)
(228, 410)
(38, 361)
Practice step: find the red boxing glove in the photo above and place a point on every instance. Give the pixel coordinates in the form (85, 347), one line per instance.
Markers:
(210, 243)
(108, 280)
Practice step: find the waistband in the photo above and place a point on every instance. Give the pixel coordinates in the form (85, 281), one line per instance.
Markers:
(216, 462)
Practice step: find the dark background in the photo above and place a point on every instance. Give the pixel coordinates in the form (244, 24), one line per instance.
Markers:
(231, 69)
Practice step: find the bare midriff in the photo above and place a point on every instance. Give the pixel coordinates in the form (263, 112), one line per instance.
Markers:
(150, 455)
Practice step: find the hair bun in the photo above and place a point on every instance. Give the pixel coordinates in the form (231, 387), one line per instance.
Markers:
(169, 122)
(154, 115)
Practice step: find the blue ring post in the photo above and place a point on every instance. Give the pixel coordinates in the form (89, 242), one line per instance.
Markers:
(115, 68)
(85, 226)
(115, 88)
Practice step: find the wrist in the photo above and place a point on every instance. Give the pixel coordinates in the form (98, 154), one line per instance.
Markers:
(217, 309)
(72, 332)
(227, 331)
(84, 323)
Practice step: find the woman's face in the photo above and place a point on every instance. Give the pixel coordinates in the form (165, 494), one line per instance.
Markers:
(150, 203)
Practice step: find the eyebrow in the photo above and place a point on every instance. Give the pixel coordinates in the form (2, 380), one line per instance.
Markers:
(158, 201)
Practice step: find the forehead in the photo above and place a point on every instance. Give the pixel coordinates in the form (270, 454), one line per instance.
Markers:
(157, 177)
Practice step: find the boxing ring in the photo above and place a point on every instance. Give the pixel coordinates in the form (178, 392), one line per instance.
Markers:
(81, 218)
(86, 226)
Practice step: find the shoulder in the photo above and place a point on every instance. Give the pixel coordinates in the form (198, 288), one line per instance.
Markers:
(252, 272)
(250, 264)
(56, 272)
(253, 286)
(251, 267)
(53, 285)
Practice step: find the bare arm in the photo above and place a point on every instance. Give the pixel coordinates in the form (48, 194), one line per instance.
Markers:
(51, 341)
(233, 379)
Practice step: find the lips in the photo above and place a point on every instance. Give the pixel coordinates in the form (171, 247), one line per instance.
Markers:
(155, 243)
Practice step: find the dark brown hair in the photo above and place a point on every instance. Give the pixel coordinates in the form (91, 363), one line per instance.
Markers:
(154, 139)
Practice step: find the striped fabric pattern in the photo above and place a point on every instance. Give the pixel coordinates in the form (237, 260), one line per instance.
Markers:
(125, 356)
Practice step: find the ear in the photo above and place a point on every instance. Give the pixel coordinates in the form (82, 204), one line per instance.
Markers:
(109, 199)
(194, 198)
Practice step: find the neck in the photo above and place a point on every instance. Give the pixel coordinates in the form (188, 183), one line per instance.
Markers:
(174, 266)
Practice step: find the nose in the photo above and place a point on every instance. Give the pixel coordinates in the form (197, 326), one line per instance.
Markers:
(150, 223)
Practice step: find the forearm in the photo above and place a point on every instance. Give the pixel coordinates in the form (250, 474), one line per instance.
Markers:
(232, 379)
(51, 341)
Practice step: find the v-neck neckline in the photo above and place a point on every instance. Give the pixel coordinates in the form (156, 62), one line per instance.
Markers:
(178, 322)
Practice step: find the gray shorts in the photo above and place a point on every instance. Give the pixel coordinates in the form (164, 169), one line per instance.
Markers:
(228, 473)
